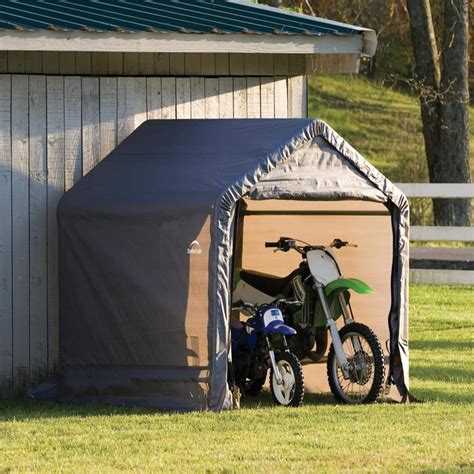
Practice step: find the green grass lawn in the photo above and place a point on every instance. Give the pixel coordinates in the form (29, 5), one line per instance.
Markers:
(320, 436)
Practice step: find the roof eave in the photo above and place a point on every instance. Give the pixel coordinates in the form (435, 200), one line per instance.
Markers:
(49, 40)
(370, 43)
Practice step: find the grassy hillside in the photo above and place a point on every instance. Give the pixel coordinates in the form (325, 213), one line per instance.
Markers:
(383, 124)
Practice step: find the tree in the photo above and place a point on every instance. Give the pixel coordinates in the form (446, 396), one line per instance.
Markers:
(444, 100)
(441, 75)
(274, 3)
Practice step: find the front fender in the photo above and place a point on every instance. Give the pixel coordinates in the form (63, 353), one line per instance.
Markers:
(333, 290)
(282, 329)
(348, 284)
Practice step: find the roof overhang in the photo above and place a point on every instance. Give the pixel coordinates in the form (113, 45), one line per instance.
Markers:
(364, 43)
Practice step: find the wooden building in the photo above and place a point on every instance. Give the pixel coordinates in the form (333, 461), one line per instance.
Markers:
(76, 78)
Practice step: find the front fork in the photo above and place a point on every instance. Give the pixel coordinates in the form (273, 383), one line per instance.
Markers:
(271, 353)
(331, 324)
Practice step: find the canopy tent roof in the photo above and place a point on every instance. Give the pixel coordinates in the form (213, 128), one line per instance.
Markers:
(136, 305)
(215, 24)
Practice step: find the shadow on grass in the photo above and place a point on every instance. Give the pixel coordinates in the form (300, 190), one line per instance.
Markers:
(427, 395)
(34, 409)
(433, 345)
(264, 400)
(443, 373)
(19, 410)
(345, 103)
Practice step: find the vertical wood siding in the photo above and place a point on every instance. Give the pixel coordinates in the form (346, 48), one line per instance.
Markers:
(175, 64)
(20, 232)
(6, 275)
(53, 130)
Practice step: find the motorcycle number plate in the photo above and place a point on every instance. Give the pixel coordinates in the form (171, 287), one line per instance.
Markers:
(322, 266)
(271, 315)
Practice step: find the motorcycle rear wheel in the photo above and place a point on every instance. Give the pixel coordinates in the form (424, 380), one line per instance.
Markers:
(291, 392)
(367, 370)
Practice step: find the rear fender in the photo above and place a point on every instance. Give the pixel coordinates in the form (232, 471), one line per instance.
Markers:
(333, 290)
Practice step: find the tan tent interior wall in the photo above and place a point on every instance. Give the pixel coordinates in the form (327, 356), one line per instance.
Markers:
(197, 319)
(367, 224)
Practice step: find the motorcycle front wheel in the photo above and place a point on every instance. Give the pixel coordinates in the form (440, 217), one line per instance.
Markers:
(291, 391)
(366, 366)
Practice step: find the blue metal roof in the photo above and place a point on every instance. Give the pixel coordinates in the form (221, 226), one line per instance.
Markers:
(167, 16)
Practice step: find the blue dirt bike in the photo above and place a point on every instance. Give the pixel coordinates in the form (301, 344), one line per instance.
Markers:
(259, 344)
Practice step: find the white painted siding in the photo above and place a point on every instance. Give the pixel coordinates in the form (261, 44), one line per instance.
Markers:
(56, 149)
(20, 272)
(54, 129)
(38, 186)
(6, 280)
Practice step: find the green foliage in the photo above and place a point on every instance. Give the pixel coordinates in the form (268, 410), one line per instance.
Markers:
(393, 60)
(320, 436)
(389, 18)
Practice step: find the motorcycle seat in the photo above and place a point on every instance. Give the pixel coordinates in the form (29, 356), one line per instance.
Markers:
(269, 284)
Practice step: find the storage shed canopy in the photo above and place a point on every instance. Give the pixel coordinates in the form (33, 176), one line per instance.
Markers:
(146, 247)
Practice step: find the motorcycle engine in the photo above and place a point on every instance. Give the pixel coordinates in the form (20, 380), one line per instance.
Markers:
(258, 368)
(248, 366)
(298, 288)
(302, 342)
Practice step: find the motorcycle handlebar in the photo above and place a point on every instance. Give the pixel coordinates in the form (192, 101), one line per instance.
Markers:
(286, 243)
(338, 243)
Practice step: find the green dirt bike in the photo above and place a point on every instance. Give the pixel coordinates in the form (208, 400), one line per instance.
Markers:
(317, 295)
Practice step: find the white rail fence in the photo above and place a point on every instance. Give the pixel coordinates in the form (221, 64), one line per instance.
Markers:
(440, 233)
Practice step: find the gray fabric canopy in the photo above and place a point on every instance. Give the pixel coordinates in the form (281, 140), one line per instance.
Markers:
(146, 248)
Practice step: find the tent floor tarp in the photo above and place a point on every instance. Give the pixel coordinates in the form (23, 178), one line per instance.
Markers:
(146, 244)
